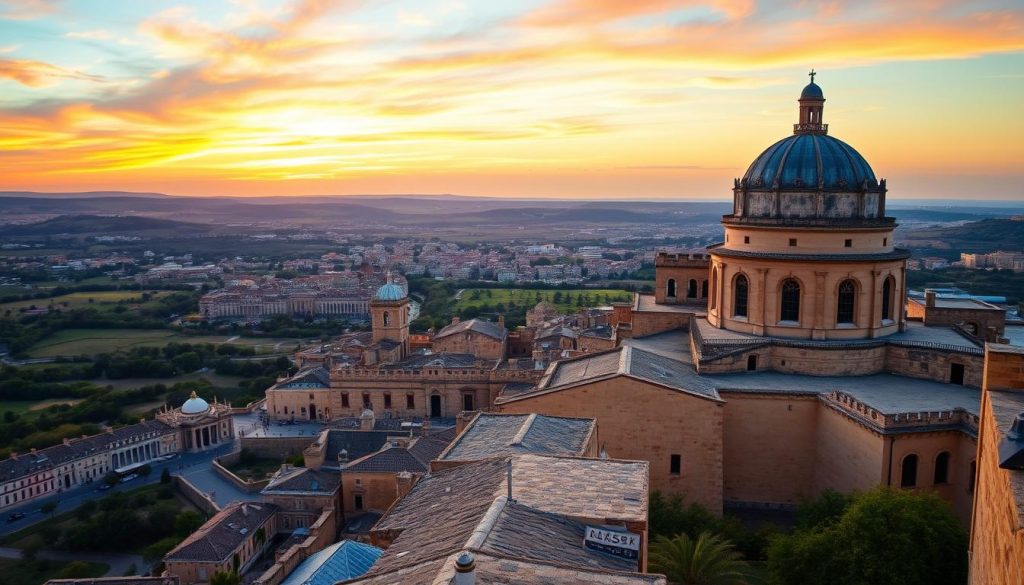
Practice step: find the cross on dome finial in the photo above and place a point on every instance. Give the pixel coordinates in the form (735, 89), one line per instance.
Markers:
(812, 74)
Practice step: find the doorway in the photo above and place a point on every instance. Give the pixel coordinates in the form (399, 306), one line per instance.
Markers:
(956, 374)
(435, 406)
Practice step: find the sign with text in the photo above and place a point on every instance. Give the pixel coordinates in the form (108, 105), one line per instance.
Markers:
(614, 542)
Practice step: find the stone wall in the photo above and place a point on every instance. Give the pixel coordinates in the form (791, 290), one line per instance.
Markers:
(643, 421)
(997, 529)
(194, 495)
(276, 447)
(242, 484)
(652, 322)
(378, 491)
(769, 448)
(321, 534)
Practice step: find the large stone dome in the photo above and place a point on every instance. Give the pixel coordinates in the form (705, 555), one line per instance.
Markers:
(195, 405)
(810, 162)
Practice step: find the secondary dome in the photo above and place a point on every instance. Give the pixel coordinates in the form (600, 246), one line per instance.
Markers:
(194, 405)
(390, 292)
(811, 161)
(812, 91)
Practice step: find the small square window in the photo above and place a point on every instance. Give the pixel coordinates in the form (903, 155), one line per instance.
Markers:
(676, 464)
(792, 241)
(848, 243)
(746, 239)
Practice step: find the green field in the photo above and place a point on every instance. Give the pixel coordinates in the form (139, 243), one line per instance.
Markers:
(565, 300)
(23, 406)
(104, 300)
(19, 572)
(71, 342)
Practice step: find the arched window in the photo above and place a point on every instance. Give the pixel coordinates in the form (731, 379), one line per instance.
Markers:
(714, 287)
(846, 301)
(908, 476)
(942, 468)
(670, 288)
(790, 309)
(691, 289)
(887, 289)
(387, 318)
(739, 289)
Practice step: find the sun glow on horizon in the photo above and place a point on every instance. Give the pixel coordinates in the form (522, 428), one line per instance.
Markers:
(571, 98)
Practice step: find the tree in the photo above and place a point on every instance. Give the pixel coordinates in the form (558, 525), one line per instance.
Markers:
(222, 578)
(884, 536)
(75, 570)
(48, 508)
(30, 550)
(187, 522)
(708, 560)
(111, 479)
(165, 476)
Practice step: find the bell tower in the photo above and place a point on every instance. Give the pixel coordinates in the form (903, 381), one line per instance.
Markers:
(389, 316)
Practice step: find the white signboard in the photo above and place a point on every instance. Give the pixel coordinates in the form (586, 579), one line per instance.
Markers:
(617, 542)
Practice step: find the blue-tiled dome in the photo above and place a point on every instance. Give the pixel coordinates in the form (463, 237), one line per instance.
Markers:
(812, 91)
(390, 292)
(810, 162)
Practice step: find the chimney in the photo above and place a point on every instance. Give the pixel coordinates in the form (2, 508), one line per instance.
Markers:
(508, 470)
(465, 569)
(929, 299)
(245, 510)
(142, 419)
(366, 420)
(455, 320)
(343, 456)
(403, 483)
(32, 450)
(501, 320)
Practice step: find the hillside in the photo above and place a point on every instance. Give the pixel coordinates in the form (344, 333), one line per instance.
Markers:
(979, 236)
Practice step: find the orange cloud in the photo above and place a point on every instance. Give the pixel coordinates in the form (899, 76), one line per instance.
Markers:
(39, 74)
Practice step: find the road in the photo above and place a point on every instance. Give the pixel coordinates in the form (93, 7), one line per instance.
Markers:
(70, 499)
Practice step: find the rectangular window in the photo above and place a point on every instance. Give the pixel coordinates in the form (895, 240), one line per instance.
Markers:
(885, 241)
(359, 502)
(676, 466)
(792, 241)
(746, 239)
(467, 402)
(366, 400)
(848, 243)
(344, 399)
(387, 400)
(410, 401)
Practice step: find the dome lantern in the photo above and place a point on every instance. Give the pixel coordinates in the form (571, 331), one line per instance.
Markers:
(812, 106)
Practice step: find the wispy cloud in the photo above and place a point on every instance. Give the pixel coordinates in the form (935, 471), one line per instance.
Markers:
(29, 9)
(39, 74)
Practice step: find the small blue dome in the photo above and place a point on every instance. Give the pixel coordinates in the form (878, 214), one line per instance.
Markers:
(390, 292)
(807, 162)
(812, 91)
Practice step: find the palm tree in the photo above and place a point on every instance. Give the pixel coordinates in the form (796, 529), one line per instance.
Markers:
(709, 560)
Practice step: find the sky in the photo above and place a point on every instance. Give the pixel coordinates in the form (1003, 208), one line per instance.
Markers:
(622, 99)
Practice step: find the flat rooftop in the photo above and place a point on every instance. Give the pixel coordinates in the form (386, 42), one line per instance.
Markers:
(646, 303)
(886, 393)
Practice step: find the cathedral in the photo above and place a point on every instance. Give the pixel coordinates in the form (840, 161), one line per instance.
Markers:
(783, 361)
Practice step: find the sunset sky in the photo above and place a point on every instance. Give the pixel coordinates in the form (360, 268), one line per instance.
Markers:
(645, 99)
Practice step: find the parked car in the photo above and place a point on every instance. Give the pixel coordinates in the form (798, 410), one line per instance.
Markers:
(15, 516)
(104, 487)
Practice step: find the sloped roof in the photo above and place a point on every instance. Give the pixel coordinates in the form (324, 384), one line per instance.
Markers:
(222, 534)
(494, 435)
(625, 360)
(487, 328)
(342, 560)
(303, 480)
(314, 377)
(415, 458)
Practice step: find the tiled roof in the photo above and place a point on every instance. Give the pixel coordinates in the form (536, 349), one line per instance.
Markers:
(218, 539)
(357, 443)
(439, 360)
(625, 360)
(466, 508)
(414, 458)
(493, 435)
(301, 479)
(602, 331)
(343, 560)
(487, 328)
(556, 331)
(315, 377)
